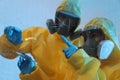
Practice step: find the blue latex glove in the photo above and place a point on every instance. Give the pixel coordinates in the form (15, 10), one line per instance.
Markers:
(13, 34)
(26, 64)
(71, 48)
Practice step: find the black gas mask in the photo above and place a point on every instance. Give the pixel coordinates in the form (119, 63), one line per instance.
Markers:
(93, 37)
(65, 23)
(95, 43)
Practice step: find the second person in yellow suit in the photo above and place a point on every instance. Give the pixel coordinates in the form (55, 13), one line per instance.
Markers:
(111, 63)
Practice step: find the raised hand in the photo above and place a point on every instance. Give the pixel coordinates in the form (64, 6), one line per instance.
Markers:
(13, 34)
(71, 48)
(25, 63)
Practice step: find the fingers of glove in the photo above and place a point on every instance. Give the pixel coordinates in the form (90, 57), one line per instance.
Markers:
(66, 41)
(69, 51)
(21, 61)
(7, 29)
(66, 50)
(17, 29)
(28, 58)
(13, 34)
(26, 66)
(10, 33)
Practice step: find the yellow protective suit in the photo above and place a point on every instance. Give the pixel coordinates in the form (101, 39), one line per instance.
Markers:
(111, 66)
(47, 48)
(52, 64)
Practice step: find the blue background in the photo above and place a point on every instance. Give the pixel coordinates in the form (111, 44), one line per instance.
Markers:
(25, 13)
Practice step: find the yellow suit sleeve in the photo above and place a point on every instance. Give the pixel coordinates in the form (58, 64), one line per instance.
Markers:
(8, 50)
(32, 76)
(30, 35)
(88, 68)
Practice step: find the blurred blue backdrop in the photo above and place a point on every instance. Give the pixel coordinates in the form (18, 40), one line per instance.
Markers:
(25, 13)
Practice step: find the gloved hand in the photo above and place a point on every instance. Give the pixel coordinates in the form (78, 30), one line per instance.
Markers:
(71, 48)
(13, 34)
(26, 64)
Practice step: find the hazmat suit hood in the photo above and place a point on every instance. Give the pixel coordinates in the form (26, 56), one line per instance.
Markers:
(73, 8)
(110, 34)
(70, 5)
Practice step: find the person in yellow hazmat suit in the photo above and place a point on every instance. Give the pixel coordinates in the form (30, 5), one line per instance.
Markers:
(50, 49)
(101, 41)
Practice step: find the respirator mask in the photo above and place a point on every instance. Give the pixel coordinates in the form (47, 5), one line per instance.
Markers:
(65, 23)
(95, 43)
